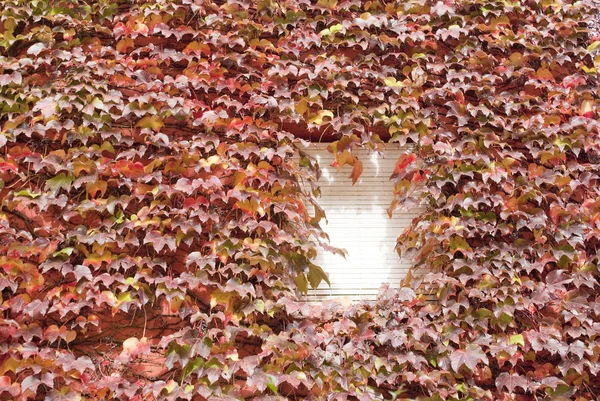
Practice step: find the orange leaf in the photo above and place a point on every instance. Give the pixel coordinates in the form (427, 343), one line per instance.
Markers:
(93, 188)
(357, 170)
(124, 45)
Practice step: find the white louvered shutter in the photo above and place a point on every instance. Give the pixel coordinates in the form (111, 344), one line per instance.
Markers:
(358, 221)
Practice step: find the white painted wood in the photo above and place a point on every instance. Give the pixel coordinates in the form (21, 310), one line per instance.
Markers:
(357, 221)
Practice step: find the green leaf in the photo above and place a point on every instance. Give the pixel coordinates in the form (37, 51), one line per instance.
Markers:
(271, 383)
(191, 367)
(516, 339)
(61, 181)
(27, 193)
(259, 304)
(63, 252)
(459, 244)
(123, 301)
(316, 275)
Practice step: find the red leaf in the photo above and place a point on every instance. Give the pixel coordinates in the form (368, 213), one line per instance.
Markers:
(132, 347)
(159, 241)
(511, 381)
(6, 385)
(80, 364)
(403, 162)
(469, 357)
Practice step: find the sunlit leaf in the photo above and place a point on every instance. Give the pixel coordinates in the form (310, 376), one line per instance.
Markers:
(153, 122)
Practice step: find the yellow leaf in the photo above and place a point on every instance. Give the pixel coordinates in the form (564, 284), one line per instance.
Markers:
(254, 43)
(196, 47)
(264, 5)
(544, 73)
(219, 298)
(503, 20)
(328, 3)
(344, 158)
(318, 118)
(593, 46)
(332, 30)
(301, 106)
(301, 283)
(264, 165)
(153, 122)
(253, 244)
(170, 386)
(391, 82)
(14, 123)
(10, 364)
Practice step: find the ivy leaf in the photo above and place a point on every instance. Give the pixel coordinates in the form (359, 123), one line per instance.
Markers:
(197, 48)
(47, 106)
(82, 271)
(403, 162)
(61, 181)
(516, 339)
(510, 381)
(6, 386)
(92, 188)
(191, 366)
(319, 117)
(272, 383)
(459, 244)
(159, 240)
(36, 49)
(357, 170)
(316, 275)
(124, 45)
(30, 384)
(9, 365)
(391, 82)
(442, 7)
(593, 46)
(153, 122)
(36, 308)
(64, 394)
(469, 357)
(301, 283)
(132, 347)
(81, 364)
(301, 106)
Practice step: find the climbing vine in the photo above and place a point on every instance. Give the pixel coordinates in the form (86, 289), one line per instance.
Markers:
(154, 224)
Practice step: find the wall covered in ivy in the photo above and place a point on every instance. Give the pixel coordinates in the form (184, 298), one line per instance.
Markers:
(155, 237)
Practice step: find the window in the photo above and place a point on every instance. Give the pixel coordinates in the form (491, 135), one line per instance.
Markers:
(357, 220)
